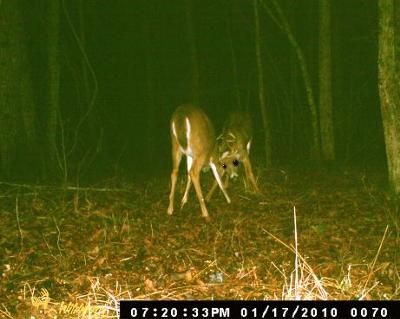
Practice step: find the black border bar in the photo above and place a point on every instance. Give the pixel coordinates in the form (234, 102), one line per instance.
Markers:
(241, 309)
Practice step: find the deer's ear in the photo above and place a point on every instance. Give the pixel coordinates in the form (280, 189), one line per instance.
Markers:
(248, 146)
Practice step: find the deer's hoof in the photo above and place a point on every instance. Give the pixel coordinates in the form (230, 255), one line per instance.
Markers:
(183, 203)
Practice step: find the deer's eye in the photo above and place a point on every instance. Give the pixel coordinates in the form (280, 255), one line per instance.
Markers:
(224, 166)
(235, 162)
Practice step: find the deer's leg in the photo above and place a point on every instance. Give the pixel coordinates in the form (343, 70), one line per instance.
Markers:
(189, 181)
(211, 191)
(214, 186)
(226, 184)
(195, 176)
(249, 174)
(218, 179)
(176, 159)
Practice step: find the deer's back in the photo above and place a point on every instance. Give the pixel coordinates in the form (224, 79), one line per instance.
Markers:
(240, 125)
(192, 119)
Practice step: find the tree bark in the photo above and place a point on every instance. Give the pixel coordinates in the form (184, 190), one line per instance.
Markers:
(280, 20)
(54, 84)
(325, 82)
(151, 106)
(389, 86)
(233, 59)
(261, 94)
(82, 36)
(195, 76)
(17, 107)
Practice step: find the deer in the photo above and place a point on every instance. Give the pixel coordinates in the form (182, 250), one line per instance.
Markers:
(193, 135)
(234, 147)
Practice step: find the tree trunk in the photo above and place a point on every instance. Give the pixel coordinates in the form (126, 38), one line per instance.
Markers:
(82, 36)
(261, 94)
(18, 146)
(54, 83)
(233, 56)
(325, 82)
(151, 107)
(281, 21)
(195, 76)
(389, 86)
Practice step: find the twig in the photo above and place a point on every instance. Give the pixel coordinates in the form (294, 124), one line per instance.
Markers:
(58, 236)
(5, 312)
(273, 17)
(92, 73)
(49, 248)
(18, 223)
(68, 188)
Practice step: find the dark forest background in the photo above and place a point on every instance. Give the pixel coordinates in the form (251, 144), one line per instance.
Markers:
(124, 66)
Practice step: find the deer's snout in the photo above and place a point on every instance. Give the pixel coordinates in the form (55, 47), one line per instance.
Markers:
(234, 175)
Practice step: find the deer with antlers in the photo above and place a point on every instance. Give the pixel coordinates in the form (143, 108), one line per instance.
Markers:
(234, 147)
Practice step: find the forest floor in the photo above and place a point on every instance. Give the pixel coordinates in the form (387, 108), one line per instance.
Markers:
(69, 252)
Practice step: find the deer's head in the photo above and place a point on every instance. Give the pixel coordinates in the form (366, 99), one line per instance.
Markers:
(229, 154)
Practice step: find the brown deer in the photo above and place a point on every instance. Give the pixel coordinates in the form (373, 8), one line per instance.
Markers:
(234, 147)
(192, 134)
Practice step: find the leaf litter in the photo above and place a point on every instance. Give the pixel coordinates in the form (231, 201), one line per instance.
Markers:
(78, 252)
